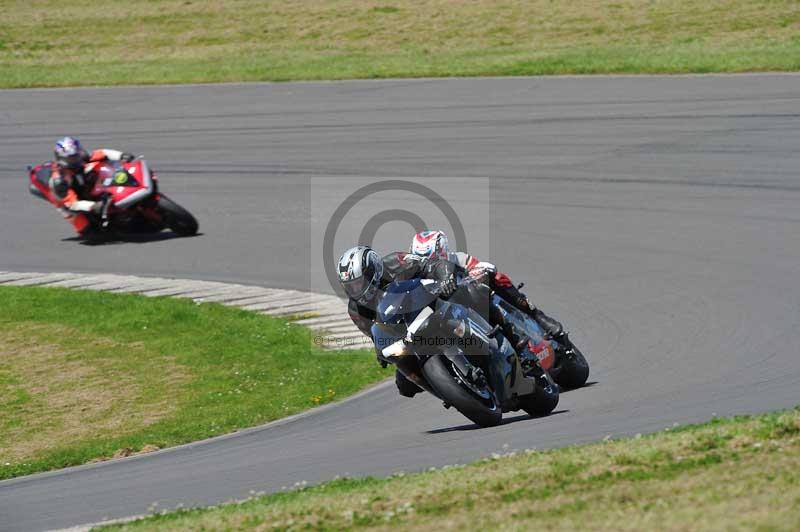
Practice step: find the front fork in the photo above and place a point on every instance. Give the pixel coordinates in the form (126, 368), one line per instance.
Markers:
(149, 209)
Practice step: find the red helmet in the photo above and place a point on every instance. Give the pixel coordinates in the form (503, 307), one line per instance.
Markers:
(430, 244)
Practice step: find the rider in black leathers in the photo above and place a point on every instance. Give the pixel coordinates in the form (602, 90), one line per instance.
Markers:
(363, 273)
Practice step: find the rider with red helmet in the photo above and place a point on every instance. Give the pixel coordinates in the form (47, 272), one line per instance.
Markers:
(72, 175)
(433, 245)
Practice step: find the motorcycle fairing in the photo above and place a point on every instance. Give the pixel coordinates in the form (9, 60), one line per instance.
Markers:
(384, 336)
(408, 302)
(495, 356)
(40, 186)
(40, 182)
(136, 185)
(401, 301)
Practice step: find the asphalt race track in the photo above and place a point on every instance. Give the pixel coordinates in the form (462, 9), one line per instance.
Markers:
(657, 216)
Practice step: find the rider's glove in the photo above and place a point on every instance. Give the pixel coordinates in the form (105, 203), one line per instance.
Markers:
(127, 157)
(447, 287)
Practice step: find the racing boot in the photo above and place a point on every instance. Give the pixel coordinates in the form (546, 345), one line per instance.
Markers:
(556, 332)
(550, 325)
(554, 329)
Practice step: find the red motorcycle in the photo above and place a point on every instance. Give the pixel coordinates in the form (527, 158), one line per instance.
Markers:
(132, 201)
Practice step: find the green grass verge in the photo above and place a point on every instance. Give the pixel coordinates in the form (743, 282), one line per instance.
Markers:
(729, 474)
(89, 375)
(89, 42)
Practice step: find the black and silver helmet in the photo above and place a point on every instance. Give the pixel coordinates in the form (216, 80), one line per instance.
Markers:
(360, 271)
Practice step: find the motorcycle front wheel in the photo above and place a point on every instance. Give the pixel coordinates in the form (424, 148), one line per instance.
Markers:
(449, 385)
(176, 217)
(574, 369)
(543, 401)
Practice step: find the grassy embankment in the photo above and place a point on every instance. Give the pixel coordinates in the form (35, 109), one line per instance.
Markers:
(86, 375)
(86, 42)
(733, 474)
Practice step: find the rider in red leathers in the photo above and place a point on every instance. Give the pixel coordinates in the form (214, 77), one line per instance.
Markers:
(72, 177)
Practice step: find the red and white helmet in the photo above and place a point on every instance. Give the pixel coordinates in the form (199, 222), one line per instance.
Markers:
(430, 244)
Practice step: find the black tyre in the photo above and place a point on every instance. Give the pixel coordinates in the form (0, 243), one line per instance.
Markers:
(176, 217)
(574, 369)
(446, 382)
(543, 401)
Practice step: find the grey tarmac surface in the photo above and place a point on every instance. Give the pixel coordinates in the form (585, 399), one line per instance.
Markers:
(656, 216)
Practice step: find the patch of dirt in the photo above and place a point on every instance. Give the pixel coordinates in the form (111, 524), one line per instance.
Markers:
(741, 442)
(127, 451)
(79, 388)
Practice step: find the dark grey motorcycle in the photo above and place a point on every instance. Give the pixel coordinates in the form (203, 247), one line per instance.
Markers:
(448, 348)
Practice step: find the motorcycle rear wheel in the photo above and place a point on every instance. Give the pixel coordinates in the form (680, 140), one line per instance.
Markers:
(440, 375)
(176, 217)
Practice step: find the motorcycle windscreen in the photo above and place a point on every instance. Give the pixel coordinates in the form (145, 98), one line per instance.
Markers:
(42, 174)
(126, 182)
(401, 301)
(40, 182)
